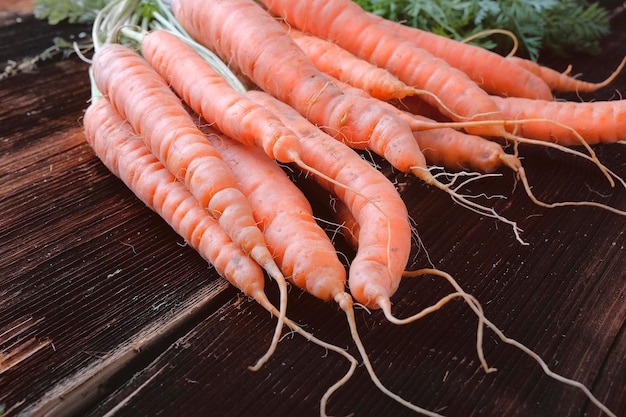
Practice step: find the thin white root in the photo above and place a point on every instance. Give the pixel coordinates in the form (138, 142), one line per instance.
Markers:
(385, 305)
(547, 370)
(275, 273)
(346, 304)
(328, 346)
(465, 201)
(475, 305)
(522, 175)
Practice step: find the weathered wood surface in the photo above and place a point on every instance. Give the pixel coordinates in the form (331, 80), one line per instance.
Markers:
(103, 309)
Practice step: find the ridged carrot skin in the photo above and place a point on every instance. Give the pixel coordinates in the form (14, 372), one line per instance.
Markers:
(493, 72)
(141, 96)
(456, 150)
(209, 95)
(302, 249)
(345, 66)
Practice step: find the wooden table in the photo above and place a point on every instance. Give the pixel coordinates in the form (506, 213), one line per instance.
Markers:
(104, 311)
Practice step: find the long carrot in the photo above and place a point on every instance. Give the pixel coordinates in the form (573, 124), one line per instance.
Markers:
(140, 95)
(597, 122)
(562, 81)
(456, 150)
(489, 70)
(346, 24)
(302, 249)
(211, 96)
(243, 33)
(385, 238)
(331, 59)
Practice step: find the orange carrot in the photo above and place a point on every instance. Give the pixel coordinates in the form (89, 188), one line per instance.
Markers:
(385, 238)
(346, 24)
(457, 150)
(597, 122)
(126, 156)
(341, 64)
(263, 50)
(141, 96)
(210, 96)
(562, 81)
(302, 249)
(491, 71)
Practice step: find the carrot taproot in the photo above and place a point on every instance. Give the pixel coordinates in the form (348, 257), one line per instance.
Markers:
(331, 59)
(263, 50)
(457, 150)
(220, 103)
(561, 81)
(211, 96)
(141, 96)
(385, 237)
(488, 69)
(348, 25)
(442, 143)
(303, 250)
(597, 122)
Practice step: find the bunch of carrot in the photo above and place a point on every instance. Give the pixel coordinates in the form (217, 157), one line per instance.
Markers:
(315, 82)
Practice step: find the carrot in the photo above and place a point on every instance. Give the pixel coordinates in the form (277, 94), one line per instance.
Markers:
(385, 238)
(442, 144)
(346, 24)
(263, 50)
(302, 249)
(343, 65)
(491, 71)
(210, 95)
(127, 157)
(597, 122)
(457, 150)
(562, 81)
(140, 95)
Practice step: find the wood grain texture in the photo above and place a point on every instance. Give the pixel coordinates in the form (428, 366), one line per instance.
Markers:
(103, 309)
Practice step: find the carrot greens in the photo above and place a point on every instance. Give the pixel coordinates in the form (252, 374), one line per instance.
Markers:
(539, 25)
